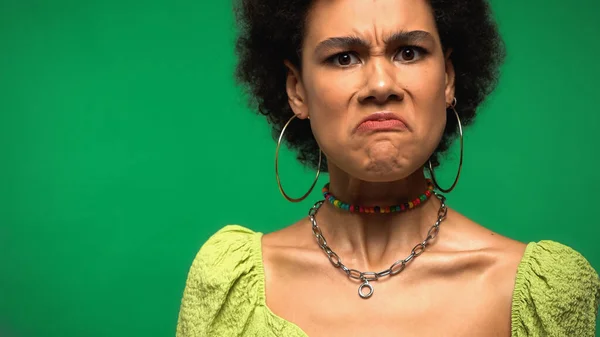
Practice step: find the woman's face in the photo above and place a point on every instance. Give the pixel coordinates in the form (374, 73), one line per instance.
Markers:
(380, 59)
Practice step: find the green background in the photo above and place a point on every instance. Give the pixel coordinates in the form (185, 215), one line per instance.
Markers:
(124, 144)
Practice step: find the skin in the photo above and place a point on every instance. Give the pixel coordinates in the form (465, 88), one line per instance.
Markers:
(462, 285)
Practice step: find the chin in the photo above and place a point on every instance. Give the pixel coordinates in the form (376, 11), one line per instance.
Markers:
(379, 164)
(387, 170)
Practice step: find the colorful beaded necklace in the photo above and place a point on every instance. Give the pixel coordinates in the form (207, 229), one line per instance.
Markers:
(377, 209)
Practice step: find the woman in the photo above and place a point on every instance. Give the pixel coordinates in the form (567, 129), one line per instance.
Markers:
(373, 92)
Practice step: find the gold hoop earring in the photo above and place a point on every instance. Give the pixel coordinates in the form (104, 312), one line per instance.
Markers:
(277, 168)
(460, 132)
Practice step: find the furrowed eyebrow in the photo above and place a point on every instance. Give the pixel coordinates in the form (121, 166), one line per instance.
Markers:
(411, 37)
(346, 42)
(343, 42)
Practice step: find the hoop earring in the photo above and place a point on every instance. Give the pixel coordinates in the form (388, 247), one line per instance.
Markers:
(290, 199)
(460, 132)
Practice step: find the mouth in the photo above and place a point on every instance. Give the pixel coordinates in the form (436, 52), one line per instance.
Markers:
(381, 121)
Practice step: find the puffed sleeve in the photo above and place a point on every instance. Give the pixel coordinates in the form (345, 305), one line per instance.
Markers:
(220, 292)
(556, 293)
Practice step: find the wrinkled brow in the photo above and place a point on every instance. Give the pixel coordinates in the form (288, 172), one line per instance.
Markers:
(398, 38)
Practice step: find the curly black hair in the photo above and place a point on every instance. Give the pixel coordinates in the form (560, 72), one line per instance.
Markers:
(271, 31)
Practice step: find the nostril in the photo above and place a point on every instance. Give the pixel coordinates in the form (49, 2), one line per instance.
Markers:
(395, 97)
(381, 94)
(383, 98)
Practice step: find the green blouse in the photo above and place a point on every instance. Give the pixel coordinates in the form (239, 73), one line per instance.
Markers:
(556, 292)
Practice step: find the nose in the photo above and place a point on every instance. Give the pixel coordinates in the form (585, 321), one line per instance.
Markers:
(381, 84)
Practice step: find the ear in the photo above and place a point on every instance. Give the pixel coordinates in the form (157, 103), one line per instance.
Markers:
(295, 91)
(450, 78)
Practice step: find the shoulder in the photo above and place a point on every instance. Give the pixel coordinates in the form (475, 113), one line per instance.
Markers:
(557, 292)
(227, 251)
(223, 282)
(232, 238)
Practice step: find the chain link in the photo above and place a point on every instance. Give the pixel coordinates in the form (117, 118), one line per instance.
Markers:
(395, 269)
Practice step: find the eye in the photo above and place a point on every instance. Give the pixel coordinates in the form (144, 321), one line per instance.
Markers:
(410, 54)
(344, 59)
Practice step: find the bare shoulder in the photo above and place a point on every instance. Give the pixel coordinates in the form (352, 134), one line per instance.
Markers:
(472, 235)
(499, 255)
(289, 257)
(290, 247)
(286, 236)
(288, 241)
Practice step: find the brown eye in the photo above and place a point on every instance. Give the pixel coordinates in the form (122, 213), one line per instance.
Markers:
(408, 54)
(345, 59)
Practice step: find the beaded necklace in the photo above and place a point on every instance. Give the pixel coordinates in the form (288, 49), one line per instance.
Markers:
(378, 209)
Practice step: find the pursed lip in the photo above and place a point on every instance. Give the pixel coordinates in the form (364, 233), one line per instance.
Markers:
(383, 116)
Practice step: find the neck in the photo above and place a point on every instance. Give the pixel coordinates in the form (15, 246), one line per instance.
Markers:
(376, 240)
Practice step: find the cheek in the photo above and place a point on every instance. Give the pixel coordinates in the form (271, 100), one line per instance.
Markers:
(428, 82)
(329, 102)
(329, 94)
(429, 99)
(430, 124)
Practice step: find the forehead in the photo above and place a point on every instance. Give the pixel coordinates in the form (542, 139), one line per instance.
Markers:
(369, 19)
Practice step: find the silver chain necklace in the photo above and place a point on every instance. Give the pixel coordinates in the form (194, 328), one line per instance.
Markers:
(394, 269)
